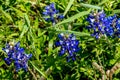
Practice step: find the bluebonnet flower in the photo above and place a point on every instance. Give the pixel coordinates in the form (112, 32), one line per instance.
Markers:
(96, 23)
(112, 26)
(68, 44)
(51, 14)
(17, 55)
(100, 25)
(109, 26)
(117, 33)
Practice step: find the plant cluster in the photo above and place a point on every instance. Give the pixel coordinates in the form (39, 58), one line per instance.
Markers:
(66, 40)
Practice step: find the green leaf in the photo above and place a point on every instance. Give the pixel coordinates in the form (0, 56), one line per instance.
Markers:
(11, 35)
(82, 69)
(112, 61)
(1, 35)
(78, 15)
(68, 7)
(38, 52)
(90, 6)
(7, 15)
(1, 63)
(27, 19)
(104, 1)
(116, 11)
(25, 29)
(74, 32)
(20, 13)
(50, 47)
(58, 67)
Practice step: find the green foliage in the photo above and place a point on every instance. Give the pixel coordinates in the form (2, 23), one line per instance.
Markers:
(21, 20)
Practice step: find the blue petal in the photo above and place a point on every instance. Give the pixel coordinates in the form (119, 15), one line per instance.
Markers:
(74, 57)
(60, 17)
(61, 36)
(17, 65)
(52, 5)
(8, 61)
(68, 58)
(61, 52)
(57, 43)
(47, 7)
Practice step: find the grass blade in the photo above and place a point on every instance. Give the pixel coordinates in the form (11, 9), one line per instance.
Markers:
(68, 7)
(74, 32)
(74, 17)
(90, 6)
(38, 70)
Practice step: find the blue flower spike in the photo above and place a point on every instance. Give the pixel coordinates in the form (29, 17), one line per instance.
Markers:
(68, 44)
(101, 25)
(51, 14)
(17, 55)
(96, 24)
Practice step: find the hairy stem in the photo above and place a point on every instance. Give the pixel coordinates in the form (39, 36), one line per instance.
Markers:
(98, 67)
(114, 69)
(32, 73)
(48, 71)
